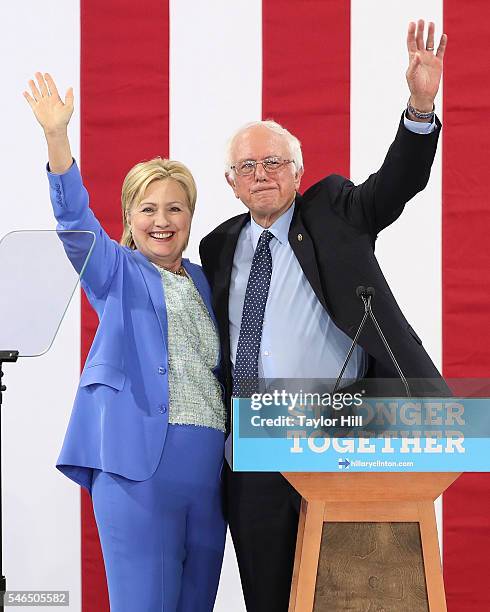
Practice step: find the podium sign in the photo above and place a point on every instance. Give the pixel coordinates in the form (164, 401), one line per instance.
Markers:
(385, 435)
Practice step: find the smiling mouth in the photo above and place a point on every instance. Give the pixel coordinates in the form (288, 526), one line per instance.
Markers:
(162, 236)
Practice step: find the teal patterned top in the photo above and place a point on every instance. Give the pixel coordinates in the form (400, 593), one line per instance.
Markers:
(193, 351)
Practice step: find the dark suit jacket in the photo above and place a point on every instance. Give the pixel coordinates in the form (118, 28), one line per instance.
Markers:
(333, 234)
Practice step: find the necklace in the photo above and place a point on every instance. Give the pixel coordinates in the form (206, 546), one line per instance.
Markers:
(179, 272)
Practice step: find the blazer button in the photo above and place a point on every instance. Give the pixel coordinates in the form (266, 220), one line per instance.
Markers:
(163, 409)
(162, 370)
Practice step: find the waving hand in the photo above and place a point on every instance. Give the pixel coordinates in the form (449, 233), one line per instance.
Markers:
(425, 67)
(54, 115)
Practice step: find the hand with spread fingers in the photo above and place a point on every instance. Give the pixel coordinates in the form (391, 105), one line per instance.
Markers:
(54, 115)
(48, 107)
(425, 67)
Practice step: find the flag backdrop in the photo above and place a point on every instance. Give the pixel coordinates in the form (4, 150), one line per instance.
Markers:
(175, 78)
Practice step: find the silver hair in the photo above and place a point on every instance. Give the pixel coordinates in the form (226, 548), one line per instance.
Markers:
(294, 145)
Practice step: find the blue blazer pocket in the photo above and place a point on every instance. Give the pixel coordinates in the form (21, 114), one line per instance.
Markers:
(130, 442)
(103, 374)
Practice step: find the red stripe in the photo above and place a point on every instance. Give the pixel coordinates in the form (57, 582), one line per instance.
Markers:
(466, 283)
(124, 119)
(306, 79)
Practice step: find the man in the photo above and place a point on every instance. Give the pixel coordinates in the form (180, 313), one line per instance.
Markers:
(284, 281)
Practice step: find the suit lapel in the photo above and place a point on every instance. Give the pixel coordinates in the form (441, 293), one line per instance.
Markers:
(222, 278)
(302, 246)
(154, 284)
(201, 284)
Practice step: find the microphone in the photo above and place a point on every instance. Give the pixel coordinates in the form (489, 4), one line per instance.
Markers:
(360, 292)
(366, 294)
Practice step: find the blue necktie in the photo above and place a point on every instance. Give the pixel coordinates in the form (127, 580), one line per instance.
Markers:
(246, 372)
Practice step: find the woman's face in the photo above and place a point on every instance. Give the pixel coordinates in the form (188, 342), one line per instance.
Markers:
(161, 222)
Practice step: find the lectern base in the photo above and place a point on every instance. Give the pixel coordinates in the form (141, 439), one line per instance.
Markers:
(359, 554)
(352, 572)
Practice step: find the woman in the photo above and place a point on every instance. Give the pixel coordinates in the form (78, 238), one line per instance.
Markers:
(146, 433)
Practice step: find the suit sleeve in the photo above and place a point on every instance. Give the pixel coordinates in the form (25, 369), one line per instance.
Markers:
(380, 200)
(70, 201)
(204, 253)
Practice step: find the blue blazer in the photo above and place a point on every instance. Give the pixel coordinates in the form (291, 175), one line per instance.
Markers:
(120, 415)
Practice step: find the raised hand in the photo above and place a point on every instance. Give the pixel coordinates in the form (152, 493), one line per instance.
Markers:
(425, 67)
(54, 115)
(49, 109)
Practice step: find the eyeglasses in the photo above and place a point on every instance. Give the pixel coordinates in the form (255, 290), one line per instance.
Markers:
(270, 165)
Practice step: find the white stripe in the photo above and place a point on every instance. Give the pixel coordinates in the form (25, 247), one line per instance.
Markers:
(41, 507)
(410, 250)
(215, 87)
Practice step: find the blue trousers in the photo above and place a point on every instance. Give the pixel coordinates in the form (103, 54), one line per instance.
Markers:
(163, 538)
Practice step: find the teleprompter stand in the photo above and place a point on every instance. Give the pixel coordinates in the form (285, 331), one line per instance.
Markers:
(5, 357)
(41, 271)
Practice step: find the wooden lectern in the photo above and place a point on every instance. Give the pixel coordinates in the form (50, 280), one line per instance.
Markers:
(368, 542)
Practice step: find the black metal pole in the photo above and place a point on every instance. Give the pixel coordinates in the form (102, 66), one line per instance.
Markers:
(5, 357)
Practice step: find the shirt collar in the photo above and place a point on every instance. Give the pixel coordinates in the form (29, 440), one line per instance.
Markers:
(279, 229)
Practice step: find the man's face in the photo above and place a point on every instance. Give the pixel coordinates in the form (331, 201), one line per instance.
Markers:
(266, 195)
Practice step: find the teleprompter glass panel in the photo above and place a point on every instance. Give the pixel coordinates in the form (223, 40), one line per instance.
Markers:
(37, 282)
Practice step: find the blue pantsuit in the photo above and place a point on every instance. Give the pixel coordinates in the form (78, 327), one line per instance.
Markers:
(163, 538)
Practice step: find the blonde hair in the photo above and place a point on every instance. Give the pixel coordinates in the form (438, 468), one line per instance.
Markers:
(141, 175)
